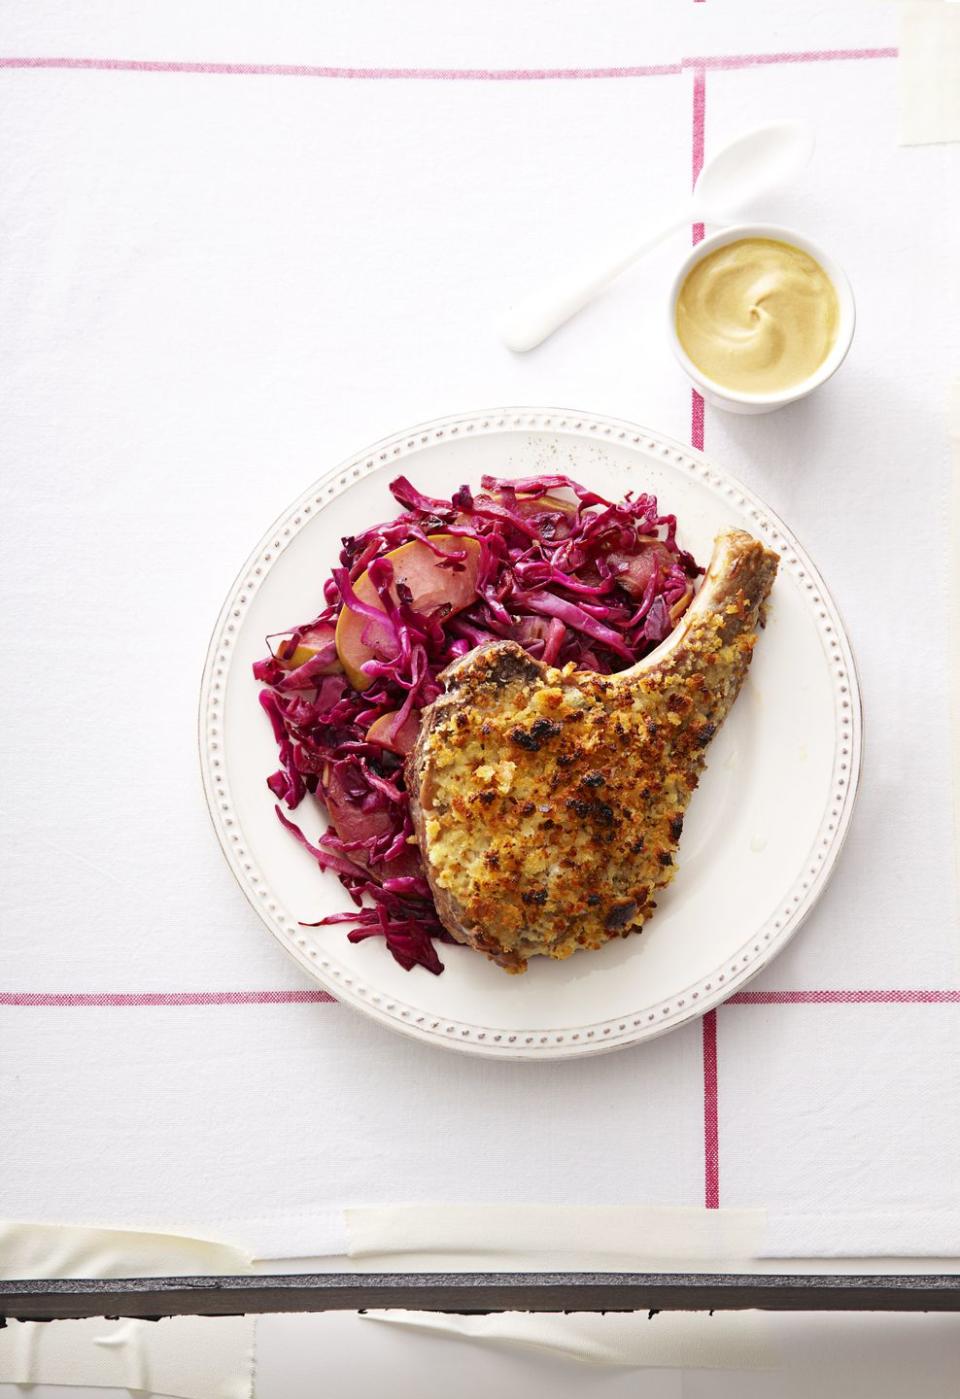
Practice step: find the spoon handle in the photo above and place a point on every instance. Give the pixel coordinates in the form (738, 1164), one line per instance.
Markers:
(535, 317)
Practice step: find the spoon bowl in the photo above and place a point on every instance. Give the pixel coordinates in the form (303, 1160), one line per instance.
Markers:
(745, 169)
(753, 165)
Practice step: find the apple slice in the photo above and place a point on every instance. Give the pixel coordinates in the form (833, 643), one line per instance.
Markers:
(431, 586)
(381, 732)
(352, 824)
(634, 573)
(349, 821)
(527, 505)
(312, 641)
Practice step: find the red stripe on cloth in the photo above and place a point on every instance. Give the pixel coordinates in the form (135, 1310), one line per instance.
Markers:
(757, 60)
(855, 998)
(237, 998)
(162, 998)
(699, 145)
(711, 1125)
(696, 420)
(301, 70)
(699, 132)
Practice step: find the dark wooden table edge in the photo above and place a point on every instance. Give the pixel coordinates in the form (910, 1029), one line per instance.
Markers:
(49, 1300)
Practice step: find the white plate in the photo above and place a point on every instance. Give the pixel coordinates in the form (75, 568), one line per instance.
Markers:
(763, 830)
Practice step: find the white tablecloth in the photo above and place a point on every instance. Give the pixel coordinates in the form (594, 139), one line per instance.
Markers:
(237, 247)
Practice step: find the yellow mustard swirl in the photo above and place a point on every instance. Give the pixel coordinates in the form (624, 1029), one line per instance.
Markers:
(757, 315)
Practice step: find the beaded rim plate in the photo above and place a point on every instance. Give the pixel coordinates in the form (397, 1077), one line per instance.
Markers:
(763, 831)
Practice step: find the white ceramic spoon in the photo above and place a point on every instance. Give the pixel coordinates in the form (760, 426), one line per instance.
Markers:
(747, 168)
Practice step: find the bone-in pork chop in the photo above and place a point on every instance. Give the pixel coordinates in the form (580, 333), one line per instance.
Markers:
(548, 804)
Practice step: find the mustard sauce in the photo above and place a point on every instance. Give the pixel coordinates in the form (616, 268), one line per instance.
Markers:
(757, 315)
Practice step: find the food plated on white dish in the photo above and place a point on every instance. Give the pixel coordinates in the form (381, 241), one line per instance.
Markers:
(549, 803)
(492, 706)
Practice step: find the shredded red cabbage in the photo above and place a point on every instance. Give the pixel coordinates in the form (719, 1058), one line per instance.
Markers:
(571, 577)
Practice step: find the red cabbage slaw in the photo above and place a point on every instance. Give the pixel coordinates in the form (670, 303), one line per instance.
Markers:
(572, 578)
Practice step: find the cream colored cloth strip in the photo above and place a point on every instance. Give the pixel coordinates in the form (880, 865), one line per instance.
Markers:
(78, 1251)
(667, 1340)
(534, 1238)
(929, 73)
(590, 1237)
(187, 1356)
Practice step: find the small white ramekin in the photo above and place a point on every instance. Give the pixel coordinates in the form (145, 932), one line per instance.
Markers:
(733, 400)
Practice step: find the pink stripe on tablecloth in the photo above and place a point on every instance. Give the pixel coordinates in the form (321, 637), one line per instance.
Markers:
(306, 70)
(699, 131)
(711, 1123)
(238, 998)
(711, 1120)
(696, 420)
(847, 998)
(162, 998)
(699, 145)
(757, 60)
